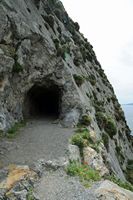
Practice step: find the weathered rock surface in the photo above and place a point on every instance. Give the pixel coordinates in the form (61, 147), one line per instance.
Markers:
(95, 160)
(17, 183)
(107, 190)
(20, 182)
(47, 66)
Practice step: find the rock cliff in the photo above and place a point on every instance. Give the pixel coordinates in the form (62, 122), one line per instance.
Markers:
(48, 67)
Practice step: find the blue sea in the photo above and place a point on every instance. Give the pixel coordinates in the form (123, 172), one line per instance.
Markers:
(128, 110)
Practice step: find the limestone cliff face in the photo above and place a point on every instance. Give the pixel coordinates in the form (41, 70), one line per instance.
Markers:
(42, 48)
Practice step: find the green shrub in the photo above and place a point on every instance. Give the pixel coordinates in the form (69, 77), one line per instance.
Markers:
(129, 171)
(92, 79)
(102, 74)
(110, 127)
(99, 103)
(105, 139)
(119, 114)
(17, 67)
(76, 61)
(113, 98)
(89, 57)
(83, 52)
(14, 129)
(77, 40)
(30, 195)
(101, 119)
(78, 140)
(86, 120)
(62, 50)
(120, 155)
(107, 123)
(78, 79)
(125, 185)
(99, 106)
(84, 172)
(71, 29)
(95, 146)
(76, 25)
(81, 138)
(118, 149)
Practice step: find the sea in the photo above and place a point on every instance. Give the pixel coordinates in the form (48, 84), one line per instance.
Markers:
(128, 110)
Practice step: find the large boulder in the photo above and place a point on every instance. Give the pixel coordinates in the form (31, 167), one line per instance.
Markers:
(16, 182)
(107, 190)
(94, 160)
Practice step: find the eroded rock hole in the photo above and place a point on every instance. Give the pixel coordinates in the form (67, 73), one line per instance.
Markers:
(43, 101)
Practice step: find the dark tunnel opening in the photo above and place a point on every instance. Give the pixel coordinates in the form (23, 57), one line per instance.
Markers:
(43, 101)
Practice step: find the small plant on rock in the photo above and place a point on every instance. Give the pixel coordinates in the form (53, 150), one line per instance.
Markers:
(17, 68)
(106, 123)
(14, 129)
(78, 79)
(101, 119)
(62, 50)
(86, 120)
(110, 127)
(81, 138)
(105, 139)
(129, 171)
(30, 195)
(76, 25)
(76, 61)
(92, 79)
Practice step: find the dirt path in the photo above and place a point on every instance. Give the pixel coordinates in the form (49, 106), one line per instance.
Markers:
(56, 185)
(40, 139)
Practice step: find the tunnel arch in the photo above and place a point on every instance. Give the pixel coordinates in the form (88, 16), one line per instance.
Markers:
(43, 101)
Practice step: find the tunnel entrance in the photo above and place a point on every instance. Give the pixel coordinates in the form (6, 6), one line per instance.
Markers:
(43, 101)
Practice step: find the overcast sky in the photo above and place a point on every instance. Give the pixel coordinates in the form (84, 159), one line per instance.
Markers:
(108, 25)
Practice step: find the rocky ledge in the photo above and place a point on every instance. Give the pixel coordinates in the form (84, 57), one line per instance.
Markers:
(49, 181)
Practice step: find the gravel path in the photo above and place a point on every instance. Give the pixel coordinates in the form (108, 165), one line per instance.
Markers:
(40, 139)
(56, 185)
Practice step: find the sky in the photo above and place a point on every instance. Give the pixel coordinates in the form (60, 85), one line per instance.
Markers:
(108, 25)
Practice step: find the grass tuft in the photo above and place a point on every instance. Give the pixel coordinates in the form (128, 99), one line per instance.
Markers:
(12, 132)
(84, 172)
(82, 139)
